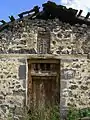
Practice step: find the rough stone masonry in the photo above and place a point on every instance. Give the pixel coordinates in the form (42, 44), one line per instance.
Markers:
(69, 43)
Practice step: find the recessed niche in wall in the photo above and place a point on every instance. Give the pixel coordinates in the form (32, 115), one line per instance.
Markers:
(43, 42)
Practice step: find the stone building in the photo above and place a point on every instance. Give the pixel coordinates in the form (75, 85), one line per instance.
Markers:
(43, 61)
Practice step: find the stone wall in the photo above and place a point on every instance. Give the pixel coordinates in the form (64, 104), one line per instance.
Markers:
(12, 87)
(75, 76)
(75, 84)
(20, 37)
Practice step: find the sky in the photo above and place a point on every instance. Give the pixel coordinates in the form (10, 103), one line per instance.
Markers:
(78, 4)
(14, 7)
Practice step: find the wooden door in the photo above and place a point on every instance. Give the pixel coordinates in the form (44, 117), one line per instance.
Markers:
(44, 91)
(43, 83)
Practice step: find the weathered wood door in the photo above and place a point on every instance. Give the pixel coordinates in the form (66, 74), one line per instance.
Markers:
(43, 83)
(44, 91)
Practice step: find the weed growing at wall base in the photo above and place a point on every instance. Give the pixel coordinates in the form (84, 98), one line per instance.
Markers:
(78, 114)
(45, 113)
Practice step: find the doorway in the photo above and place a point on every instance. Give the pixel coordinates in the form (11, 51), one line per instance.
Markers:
(43, 83)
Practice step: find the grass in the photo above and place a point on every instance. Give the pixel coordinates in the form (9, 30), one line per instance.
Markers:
(78, 114)
(53, 113)
(48, 113)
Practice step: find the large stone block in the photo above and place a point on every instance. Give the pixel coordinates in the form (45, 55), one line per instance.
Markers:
(63, 113)
(22, 72)
(63, 85)
(67, 74)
